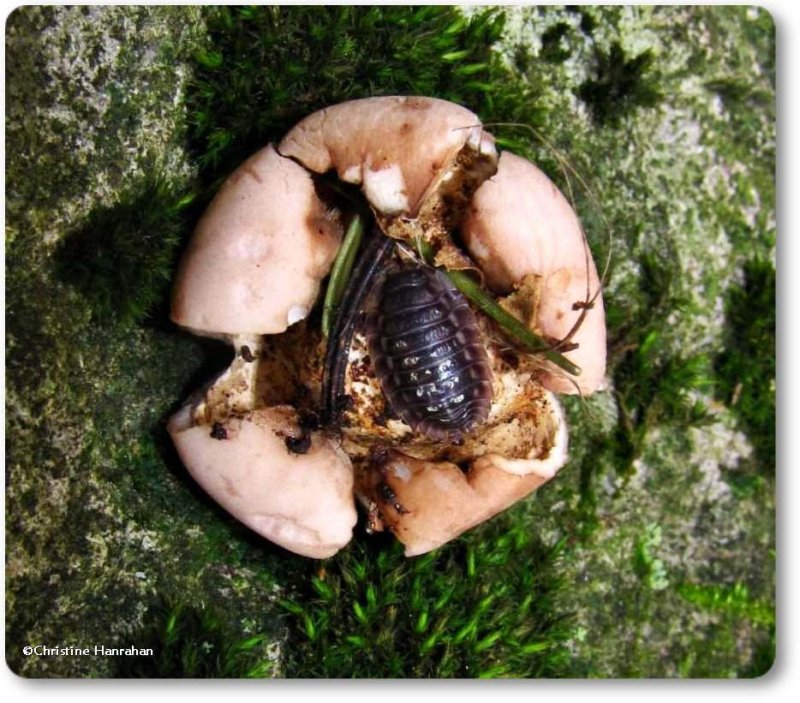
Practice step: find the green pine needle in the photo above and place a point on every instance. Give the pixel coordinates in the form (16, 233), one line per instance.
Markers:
(340, 273)
(507, 322)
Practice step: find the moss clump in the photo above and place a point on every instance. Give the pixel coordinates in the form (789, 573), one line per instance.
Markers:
(553, 41)
(736, 610)
(747, 366)
(487, 607)
(121, 259)
(620, 85)
(105, 526)
(195, 642)
(734, 600)
(267, 68)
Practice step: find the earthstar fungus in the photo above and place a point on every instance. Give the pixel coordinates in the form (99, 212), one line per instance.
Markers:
(252, 275)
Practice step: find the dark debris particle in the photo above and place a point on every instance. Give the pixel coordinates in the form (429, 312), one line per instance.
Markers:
(218, 431)
(344, 402)
(247, 355)
(309, 421)
(299, 445)
(510, 357)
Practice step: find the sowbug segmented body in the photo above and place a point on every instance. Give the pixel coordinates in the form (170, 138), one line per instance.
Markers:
(429, 355)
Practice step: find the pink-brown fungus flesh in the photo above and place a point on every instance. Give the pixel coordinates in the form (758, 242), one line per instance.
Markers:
(252, 275)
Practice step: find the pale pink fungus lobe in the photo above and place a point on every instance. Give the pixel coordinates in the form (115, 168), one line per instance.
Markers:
(258, 254)
(519, 224)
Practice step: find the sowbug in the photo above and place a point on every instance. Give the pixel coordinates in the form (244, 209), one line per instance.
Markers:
(425, 345)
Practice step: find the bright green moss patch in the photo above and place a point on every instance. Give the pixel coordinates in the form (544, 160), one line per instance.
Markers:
(486, 606)
(267, 68)
(325, 55)
(735, 609)
(733, 600)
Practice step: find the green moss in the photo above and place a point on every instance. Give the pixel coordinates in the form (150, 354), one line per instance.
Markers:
(104, 107)
(195, 642)
(239, 100)
(734, 601)
(270, 67)
(588, 23)
(620, 85)
(553, 41)
(747, 366)
(646, 564)
(484, 607)
(122, 258)
(655, 385)
(737, 610)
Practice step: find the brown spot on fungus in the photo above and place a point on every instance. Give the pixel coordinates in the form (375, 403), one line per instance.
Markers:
(246, 354)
